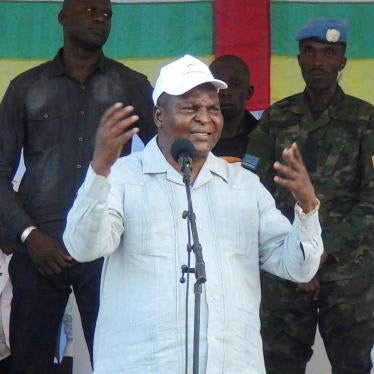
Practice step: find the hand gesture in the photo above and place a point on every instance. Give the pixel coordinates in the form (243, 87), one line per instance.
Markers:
(113, 133)
(295, 178)
(310, 289)
(47, 254)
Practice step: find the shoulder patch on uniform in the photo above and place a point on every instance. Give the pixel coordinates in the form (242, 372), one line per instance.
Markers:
(250, 162)
(372, 160)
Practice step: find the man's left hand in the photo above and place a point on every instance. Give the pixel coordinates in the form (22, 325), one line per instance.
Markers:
(310, 289)
(295, 178)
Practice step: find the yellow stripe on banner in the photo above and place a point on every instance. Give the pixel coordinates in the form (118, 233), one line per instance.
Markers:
(357, 78)
(10, 68)
(151, 67)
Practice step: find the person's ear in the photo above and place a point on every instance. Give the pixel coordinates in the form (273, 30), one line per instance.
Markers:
(61, 17)
(298, 59)
(250, 91)
(343, 63)
(157, 116)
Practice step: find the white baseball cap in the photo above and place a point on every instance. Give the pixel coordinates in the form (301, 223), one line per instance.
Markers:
(182, 75)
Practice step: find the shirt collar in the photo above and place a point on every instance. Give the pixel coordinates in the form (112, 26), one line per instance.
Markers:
(338, 97)
(154, 162)
(250, 122)
(59, 69)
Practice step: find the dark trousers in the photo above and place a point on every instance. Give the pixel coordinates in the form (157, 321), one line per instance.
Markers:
(5, 365)
(343, 313)
(38, 306)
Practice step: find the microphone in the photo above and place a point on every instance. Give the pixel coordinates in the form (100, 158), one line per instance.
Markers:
(183, 152)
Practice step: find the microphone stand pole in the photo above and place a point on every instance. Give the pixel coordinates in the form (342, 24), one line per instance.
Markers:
(199, 269)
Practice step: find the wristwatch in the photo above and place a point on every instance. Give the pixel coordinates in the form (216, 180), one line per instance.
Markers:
(27, 232)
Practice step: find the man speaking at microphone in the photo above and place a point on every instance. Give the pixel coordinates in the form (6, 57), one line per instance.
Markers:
(129, 210)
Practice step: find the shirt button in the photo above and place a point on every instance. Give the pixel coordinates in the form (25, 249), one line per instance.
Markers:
(82, 113)
(213, 339)
(200, 227)
(83, 87)
(80, 139)
(45, 115)
(79, 166)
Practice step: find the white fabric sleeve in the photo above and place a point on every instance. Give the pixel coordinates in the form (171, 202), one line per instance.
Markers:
(291, 252)
(93, 230)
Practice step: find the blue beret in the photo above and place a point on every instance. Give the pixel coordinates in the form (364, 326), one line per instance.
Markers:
(325, 29)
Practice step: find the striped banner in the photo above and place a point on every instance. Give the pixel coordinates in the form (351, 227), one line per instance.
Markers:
(144, 36)
(323, 1)
(123, 1)
(147, 34)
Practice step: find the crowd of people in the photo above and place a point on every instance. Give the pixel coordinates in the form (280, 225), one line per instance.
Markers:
(288, 245)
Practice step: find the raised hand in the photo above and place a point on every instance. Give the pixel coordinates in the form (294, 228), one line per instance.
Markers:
(113, 133)
(295, 178)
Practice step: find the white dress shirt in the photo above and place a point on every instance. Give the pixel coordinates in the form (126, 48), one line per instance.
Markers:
(134, 219)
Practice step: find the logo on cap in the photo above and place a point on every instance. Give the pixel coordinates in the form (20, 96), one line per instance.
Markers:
(332, 35)
(192, 68)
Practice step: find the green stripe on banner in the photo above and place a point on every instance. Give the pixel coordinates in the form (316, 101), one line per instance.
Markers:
(287, 17)
(121, 1)
(31, 30)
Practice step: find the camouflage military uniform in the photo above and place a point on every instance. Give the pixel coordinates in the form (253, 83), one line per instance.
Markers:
(338, 150)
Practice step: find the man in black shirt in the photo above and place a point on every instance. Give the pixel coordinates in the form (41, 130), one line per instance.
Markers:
(238, 122)
(52, 113)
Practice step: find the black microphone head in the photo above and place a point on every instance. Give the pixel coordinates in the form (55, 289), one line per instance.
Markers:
(182, 147)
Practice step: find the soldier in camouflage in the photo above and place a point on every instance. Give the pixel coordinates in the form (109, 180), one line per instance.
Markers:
(335, 133)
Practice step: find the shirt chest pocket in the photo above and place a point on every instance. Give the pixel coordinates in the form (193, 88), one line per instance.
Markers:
(45, 128)
(149, 224)
(237, 233)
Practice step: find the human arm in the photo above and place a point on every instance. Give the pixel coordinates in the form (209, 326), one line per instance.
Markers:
(5, 245)
(291, 252)
(13, 132)
(94, 228)
(294, 177)
(48, 255)
(311, 289)
(112, 134)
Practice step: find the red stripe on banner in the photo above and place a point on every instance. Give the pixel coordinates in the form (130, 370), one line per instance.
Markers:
(242, 28)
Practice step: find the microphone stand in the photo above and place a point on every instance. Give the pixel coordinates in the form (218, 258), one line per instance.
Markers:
(199, 269)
